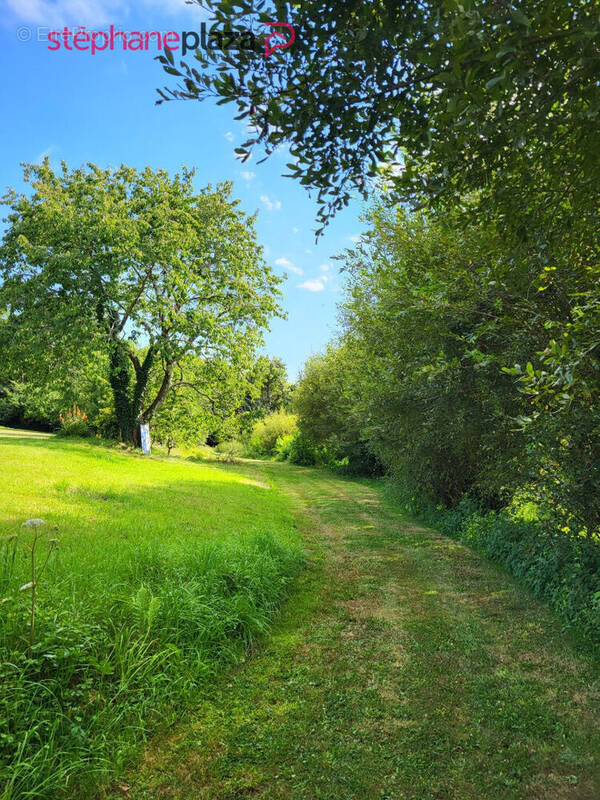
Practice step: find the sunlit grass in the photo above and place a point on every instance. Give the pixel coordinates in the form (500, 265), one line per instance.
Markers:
(164, 570)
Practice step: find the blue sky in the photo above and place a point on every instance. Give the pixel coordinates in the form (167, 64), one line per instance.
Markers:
(82, 107)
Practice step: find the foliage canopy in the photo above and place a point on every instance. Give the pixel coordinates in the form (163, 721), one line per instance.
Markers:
(137, 265)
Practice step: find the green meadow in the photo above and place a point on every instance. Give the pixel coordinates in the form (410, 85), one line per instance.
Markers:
(215, 631)
(150, 575)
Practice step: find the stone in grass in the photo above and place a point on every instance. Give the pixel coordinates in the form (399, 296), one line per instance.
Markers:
(33, 523)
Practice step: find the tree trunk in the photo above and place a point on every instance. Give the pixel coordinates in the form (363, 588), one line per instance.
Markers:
(161, 395)
(120, 379)
(142, 375)
(129, 404)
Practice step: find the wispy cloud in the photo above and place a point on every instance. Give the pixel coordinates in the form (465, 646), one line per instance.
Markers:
(229, 136)
(286, 264)
(325, 267)
(270, 205)
(247, 174)
(90, 12)
(65, 12)
(355, 238)
(313, 284)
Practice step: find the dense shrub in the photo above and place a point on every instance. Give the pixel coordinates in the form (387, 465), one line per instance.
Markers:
(74, 423)
(266, 432)
(106, 423)
(328, 416)
(20, 407)
(360, 461)
(283, 446)
(9, 412)
(230, 449)
(562, 568)
(305, 453)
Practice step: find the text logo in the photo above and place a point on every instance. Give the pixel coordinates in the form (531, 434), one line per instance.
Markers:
(271, 44)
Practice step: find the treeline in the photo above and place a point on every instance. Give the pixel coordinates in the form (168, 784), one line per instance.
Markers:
(469, 372)
(222, 407)
(468, 364)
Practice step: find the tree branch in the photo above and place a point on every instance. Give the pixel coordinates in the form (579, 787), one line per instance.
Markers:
(147, 415)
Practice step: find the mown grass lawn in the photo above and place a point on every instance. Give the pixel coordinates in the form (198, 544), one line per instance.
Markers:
(406, 666)
(403, 665)
(164, 570)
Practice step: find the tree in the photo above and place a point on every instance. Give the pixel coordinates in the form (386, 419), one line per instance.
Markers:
(322, 399)
(135, 263)
(328, 408)
(32, 397)
(180, 422)
(204, 401)
(430, 318)
(453, 96)
(483, 111)
(268, 389)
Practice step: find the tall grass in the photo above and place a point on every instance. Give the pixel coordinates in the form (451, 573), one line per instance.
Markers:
(165, 572)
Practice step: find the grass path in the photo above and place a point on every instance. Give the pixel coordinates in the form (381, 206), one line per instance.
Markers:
(404, 667)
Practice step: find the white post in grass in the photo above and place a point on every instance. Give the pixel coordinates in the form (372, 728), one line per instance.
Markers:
(145, 439)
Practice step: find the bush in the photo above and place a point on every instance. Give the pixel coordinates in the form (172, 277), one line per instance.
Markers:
(283, 446)
(230, 450)
(74, 423)
(266, 432)
(107, 424)
(304, 453)
(9, 412)
(359, 461)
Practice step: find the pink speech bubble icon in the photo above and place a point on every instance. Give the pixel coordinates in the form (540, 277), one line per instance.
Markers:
(269, 48)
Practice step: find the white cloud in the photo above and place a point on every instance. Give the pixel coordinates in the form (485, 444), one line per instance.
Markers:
(52, 13)
(65, 12)
(355, 238)
(229, 136)
(313, 285)
(325, 267)
(270, 205)
(295, 230)
(247, 174)
(285, 263)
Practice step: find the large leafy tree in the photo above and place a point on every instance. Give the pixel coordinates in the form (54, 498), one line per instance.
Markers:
(431, 315)
(457, 95)
(435, 320)
(137, 263)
